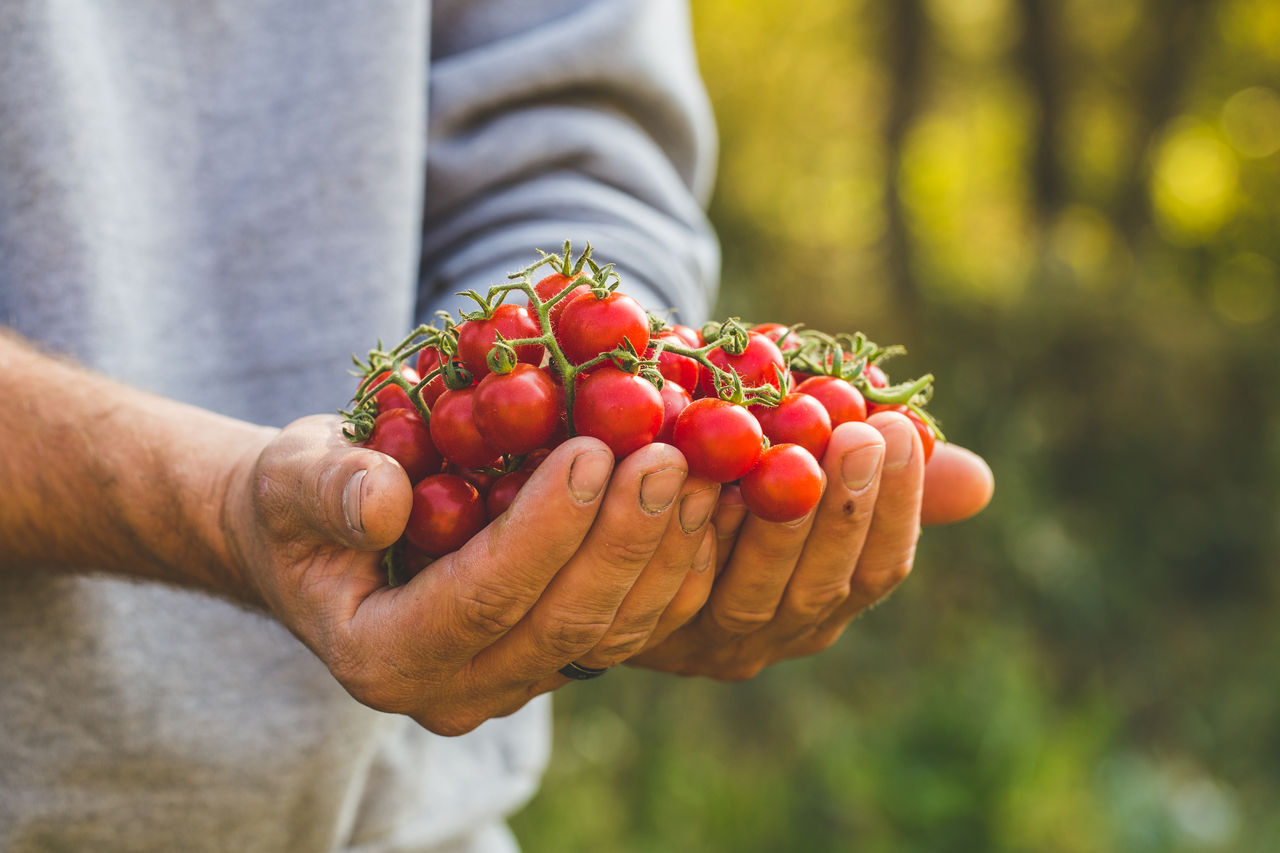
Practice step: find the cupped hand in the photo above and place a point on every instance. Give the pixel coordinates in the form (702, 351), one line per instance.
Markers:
(582, 567)
(788, 590)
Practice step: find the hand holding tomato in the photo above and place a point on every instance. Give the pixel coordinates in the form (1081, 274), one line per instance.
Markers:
(789, 590)
(583, 566)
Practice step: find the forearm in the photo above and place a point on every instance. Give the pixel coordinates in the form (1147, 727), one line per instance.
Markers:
(98, 476)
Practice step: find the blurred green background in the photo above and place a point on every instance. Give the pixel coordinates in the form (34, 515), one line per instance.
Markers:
(1070, 213)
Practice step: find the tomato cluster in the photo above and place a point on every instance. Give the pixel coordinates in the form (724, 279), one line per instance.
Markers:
(471, 407)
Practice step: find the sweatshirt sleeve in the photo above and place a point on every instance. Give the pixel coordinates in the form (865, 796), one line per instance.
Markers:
(584, 120)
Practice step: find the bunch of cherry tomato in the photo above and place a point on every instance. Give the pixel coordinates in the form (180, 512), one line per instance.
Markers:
(471, 407)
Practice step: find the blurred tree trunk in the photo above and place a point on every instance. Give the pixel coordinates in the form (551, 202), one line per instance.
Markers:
(903, 44)
(1041, 60)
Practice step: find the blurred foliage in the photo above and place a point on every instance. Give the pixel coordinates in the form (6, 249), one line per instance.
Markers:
(1069, 213)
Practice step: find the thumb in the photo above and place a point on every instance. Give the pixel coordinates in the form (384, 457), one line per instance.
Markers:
(363, 499)
(957, 485)
(314, 481)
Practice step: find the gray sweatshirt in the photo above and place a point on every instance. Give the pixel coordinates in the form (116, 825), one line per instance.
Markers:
(221, 201)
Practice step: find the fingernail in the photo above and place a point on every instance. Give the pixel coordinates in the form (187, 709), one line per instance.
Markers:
(859, 467)
(898, 444)
(588, 473)
(706, 552)
(659, 489)
(696, 508)
(351, 501)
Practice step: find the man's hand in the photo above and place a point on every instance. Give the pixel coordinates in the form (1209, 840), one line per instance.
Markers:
(788, 590)
(580, 568)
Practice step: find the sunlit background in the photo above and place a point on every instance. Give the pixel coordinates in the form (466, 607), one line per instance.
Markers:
(1070, 213)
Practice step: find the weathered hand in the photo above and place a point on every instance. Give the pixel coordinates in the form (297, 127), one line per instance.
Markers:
(580, 568)
(787, 590)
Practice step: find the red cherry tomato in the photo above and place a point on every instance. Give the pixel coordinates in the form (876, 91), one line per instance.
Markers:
(691, 336)
(674, 401)
(447, 511)
(392, 396)
(549, 287)
(876, 377)
(517, 411)
(927, 438)
(403, 435)
(799, 419)
(720, 440)
(482, 478)
(476, 338)
(841, 399)
(534, 459)
(757, 365)
(680, 369)
(785, 485)
(622, 410)
(453, 429)
(591, 326)
(778, 332)
(503, 492)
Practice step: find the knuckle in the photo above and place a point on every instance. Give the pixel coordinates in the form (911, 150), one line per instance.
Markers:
(883, 579)
(489, 612)
(811, 604)
(567, 638)
(627, 552)
(618, 646)
(740, 620)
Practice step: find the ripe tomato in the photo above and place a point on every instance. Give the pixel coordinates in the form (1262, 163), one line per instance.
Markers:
(476, 338)
(720, 440)
(503, 492)
(799, 419)
(591, 326)
(622, 410)
(757, 365)
(841, 399)
(517, 411)
(392, 396)
(482, 478)
(534, 459)
(674, 401)
(680, 369)
(876, 377)
(927, 438)
(784, 485)
(453, 429)
(549, 287)
(447, 511)
(778, 332)
(691, 336)
(403, 435)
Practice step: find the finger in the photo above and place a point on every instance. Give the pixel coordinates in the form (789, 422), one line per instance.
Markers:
(958, 484)
(730, 513)
(692, 595)
(895, 524)
(746, 596)
(822, 579)
(658, 584)
(581, 602)
(316, 485)
(462, 603)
